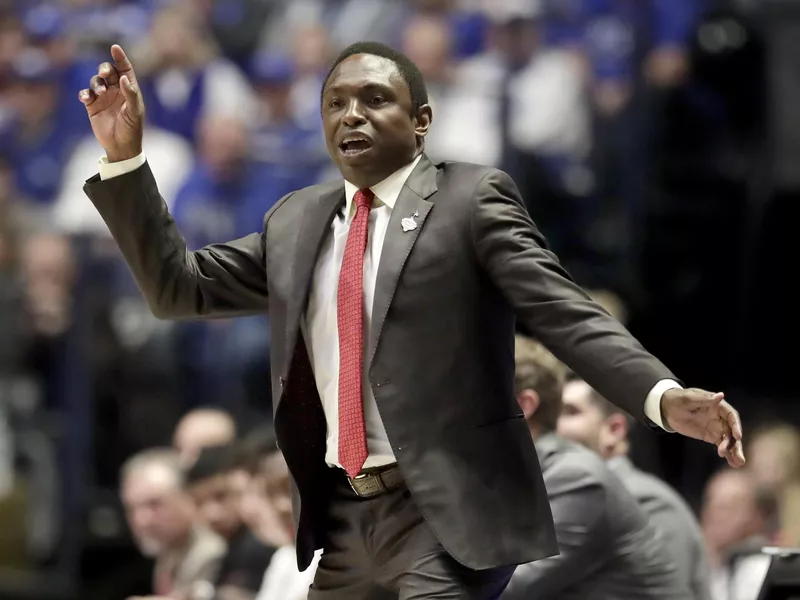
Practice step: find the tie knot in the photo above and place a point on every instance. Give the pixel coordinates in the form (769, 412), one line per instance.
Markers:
(364, 198)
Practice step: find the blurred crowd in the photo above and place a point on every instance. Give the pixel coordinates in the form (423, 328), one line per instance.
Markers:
(603, 111)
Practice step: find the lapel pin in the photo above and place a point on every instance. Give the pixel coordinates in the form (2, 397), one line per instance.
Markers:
(409, 223)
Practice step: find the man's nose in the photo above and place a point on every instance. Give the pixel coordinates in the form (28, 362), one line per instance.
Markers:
(354, 115)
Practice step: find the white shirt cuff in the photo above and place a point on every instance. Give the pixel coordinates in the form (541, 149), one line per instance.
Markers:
(110, 170)
(652, 405)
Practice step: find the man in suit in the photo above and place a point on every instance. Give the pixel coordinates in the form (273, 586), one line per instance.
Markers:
(392, 297)
(591, 420)
(161, 514)
(608, 550)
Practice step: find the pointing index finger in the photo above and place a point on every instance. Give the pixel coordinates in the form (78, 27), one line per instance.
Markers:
(124, 65)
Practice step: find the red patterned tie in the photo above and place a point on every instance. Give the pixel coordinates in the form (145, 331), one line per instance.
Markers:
(350, 315)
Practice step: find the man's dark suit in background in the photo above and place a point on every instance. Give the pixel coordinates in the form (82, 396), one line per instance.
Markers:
(673, 518)
(607, 548)
(591, 420)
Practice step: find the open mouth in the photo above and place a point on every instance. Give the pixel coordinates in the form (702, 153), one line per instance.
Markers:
(354, 146)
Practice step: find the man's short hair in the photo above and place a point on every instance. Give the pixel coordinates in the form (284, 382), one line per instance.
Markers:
(163, 457)
(254, 448)
(213, 461)
(538, 370)
(605, 407)
(405, 66)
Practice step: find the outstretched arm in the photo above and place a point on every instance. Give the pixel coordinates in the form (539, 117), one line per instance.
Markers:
(580, 333)
(219, 280)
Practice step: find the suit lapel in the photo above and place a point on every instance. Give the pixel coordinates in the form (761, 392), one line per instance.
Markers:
(316, 225)
(397, 245)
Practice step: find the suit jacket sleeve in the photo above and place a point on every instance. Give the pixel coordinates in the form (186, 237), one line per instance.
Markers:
(219, 280)
(578, 503)
(551, 306)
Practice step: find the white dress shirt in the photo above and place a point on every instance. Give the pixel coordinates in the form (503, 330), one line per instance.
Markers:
(282, 580)
(320, 326)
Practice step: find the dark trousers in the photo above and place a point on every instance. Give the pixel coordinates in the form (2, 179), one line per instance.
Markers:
(381, 547)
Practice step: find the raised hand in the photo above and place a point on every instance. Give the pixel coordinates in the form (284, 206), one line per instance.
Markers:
(115, 107)
(705, 416)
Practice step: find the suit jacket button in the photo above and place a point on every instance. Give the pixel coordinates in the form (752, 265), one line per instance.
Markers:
(281, 380)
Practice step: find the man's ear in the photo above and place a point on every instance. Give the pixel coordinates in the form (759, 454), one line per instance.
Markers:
(618, 426)
(423, 120)
(528, 402)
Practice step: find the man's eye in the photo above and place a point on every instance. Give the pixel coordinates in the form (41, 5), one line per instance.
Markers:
(335, 103)
(378, 100)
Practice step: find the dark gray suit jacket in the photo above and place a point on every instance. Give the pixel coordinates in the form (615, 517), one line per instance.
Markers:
(674, 519)
(608, 548)
(440, 356)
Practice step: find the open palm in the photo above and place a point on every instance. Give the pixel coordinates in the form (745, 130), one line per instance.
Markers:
(705, 416)
(115, 107)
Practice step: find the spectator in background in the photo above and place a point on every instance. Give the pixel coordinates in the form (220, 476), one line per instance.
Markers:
(185, 78)
(226, 196)
(267, 509)
(161, 517)
(427, 42)
(39, 137)
(48, 266)
(218, 198)
(257, 511)
(591, 420)
(210, 482)
(311, 53)
(236, 25)
(775, 466)
(202, 428)
(608, 548)
(636, 52)
(289, 154)
(546, 130)
(47, 29)
(172, 161)
(734, 518)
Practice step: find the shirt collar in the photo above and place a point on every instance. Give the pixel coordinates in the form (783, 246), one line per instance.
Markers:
(386, 192)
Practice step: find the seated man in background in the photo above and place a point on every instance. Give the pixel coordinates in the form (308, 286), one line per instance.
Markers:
(590, 419)
(161, 516)
(202, 428)
(212, 484)
(734, 521)
(608, 548)
(267, 509)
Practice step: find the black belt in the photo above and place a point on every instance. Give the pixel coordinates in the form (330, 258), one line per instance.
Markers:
(376, 481)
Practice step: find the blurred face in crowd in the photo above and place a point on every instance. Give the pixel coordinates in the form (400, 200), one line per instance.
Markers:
(582, 421)
(263, 504)
(34, 101)
(223, 144)
(276, 99)
(174, 35)
(200, 429)
(12, 40)
(48, 266)
(427, 43)
(278, 488)
(217, 502)
(371, 127)
(159, 512)
(773, 457)
(310, 50)
(730, 514)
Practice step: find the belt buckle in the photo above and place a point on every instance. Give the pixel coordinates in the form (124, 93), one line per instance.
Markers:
(351, 481)
(380, 487)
